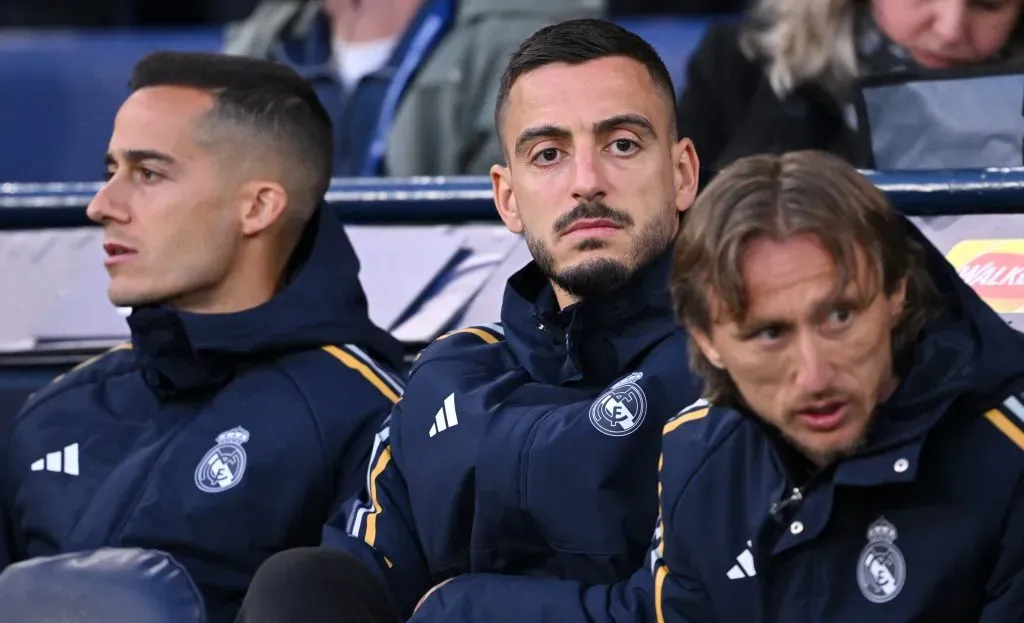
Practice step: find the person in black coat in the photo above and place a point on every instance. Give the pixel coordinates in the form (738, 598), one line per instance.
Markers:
(783, 78)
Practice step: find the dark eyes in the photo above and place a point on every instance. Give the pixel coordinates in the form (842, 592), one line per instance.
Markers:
(618, 147)
(141, 174)
(838, 318)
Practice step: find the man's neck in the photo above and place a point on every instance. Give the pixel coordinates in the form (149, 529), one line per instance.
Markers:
(227, 298)
(251, 281)
(354, 22)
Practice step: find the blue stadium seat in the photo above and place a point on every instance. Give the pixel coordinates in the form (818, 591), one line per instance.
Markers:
(61, 90)
(103, 586)
(674, 38)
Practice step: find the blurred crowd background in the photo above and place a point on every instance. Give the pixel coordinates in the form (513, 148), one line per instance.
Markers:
(142, 13)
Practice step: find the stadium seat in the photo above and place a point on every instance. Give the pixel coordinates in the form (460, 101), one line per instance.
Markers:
(103, 586)
(61, 90)
(674, 38)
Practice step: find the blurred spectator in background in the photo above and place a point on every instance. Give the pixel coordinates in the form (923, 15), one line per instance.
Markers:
(410, 84)
(785, 77)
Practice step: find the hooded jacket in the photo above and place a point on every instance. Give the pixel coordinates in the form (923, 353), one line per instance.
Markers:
(935, 498)
(527, 448)
(924, 523)
(220, 439)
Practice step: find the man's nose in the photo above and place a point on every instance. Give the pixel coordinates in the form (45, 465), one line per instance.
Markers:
(106, 205)
(814, 371)
(588, 178)
(949, 21)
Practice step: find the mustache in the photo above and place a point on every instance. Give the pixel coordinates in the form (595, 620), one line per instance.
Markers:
(592, 210)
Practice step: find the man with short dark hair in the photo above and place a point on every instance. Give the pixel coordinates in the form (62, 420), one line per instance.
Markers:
(530, 448)
(241, 415)
(862, 457)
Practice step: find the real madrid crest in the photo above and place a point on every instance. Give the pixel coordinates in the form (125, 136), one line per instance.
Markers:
(881, 570)
(621, 408)
(224, 465)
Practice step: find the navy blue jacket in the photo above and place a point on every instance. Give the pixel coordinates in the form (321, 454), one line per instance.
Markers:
(220, 439)
(924, 523)
(941, 476)
(528, 448)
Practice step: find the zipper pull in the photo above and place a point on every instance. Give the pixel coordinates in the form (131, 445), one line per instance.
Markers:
(794, 499)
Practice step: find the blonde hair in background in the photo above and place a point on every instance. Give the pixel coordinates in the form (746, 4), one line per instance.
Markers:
(803, 41)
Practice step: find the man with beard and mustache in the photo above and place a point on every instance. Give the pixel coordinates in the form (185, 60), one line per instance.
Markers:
(530, 448)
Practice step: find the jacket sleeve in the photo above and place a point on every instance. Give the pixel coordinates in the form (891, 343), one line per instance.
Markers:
(657, 593)
(654, 594)
(380, 529)
(1006, 585)
(511, 599)
(7, 523)
(677, 597)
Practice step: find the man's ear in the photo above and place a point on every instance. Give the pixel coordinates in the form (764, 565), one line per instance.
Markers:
(703, 342)
(686, 173)
(262, 204)
(505, 198)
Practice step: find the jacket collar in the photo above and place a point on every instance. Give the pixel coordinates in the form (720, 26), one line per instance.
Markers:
(936, 382)
(592, 342)
(173, 361)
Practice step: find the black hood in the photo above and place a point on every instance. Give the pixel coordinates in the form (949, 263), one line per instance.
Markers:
(965, 356)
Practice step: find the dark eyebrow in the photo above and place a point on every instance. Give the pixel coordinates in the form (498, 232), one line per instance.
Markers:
(637, 122)
(136, 156)
(543, 131)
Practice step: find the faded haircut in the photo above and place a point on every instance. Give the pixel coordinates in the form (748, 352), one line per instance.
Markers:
(272, 108)
(575, 42)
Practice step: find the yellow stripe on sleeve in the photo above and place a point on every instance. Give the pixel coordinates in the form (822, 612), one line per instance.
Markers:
(92, 360)
(1006, 427)
(480, 333)
(363, 369)
(683, 419)
(371, 520)
(659, 584)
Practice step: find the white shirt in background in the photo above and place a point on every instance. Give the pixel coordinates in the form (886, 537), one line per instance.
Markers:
(353, 61)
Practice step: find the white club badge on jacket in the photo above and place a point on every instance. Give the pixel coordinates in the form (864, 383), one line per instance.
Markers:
(881, 569)
(224, 465)
(621, 409)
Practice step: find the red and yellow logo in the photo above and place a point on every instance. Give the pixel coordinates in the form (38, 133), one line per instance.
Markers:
(995, 269)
